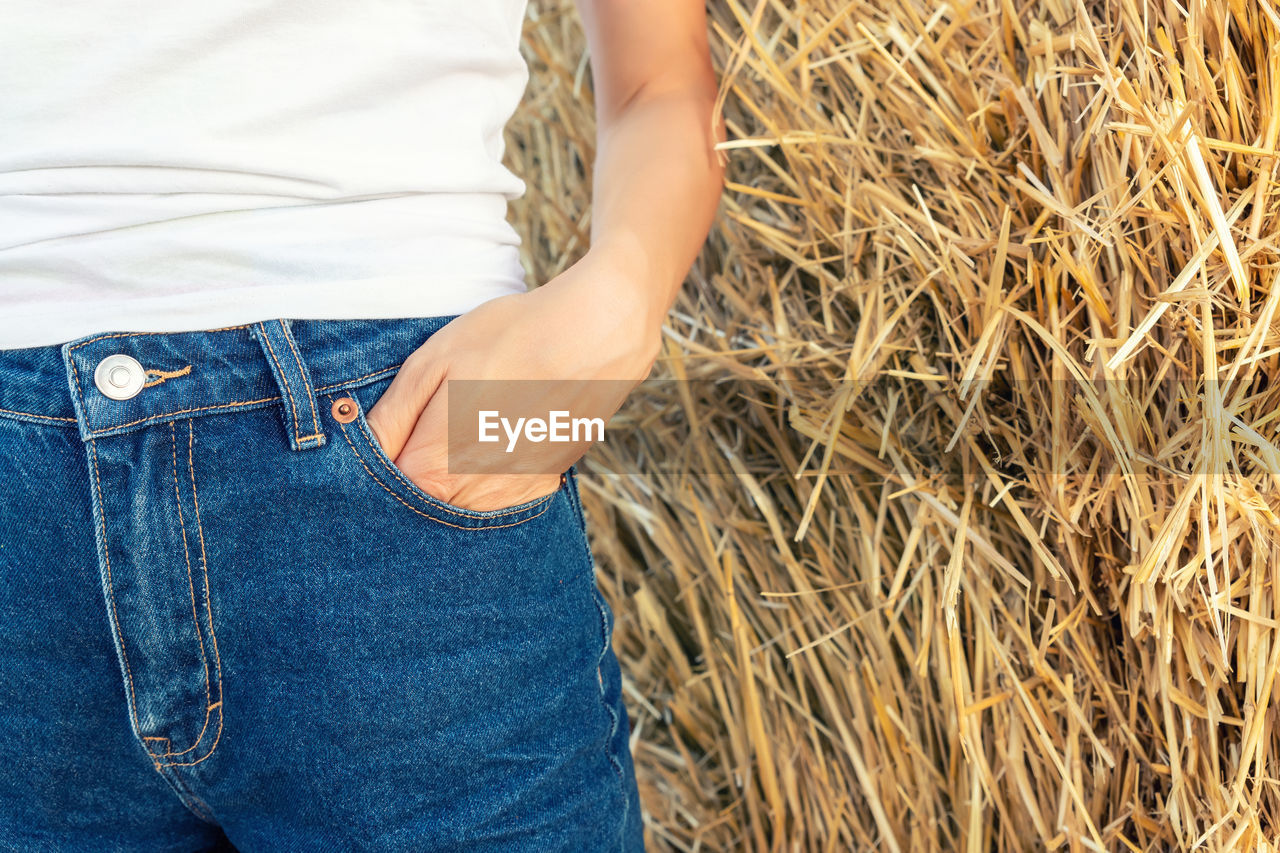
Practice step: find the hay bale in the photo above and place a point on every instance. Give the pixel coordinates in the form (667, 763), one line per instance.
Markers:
(997, 565)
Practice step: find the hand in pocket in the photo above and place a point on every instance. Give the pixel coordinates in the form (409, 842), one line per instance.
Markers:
(573, 345)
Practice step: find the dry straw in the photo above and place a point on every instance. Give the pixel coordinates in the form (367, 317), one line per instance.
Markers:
(997, 567)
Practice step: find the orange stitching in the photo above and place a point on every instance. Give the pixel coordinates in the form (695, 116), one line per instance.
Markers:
(76, 372)
(403, 481)
(208, 603)
(394, 473)
(214, 746)
(191, 585)
(151, 334)
(231, 405)
(307, 438)
(34, 415)
(160, 376)
(345, 382)
(184, 411)
(93, 433)
(106, 337)
(115, 615)
(283, 378)
(311, 397)
(432, 517)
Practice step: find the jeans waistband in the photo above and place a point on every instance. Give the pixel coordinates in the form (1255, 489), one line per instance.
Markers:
(277, 362)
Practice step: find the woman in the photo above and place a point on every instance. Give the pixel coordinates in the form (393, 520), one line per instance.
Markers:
(249, 597)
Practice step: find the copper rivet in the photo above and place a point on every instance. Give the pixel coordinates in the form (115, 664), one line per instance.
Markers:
(344, 410)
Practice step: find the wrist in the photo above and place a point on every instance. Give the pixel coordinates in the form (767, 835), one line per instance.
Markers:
(614, 320)
(635, 279)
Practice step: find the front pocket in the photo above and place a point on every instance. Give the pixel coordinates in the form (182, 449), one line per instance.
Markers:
(378, 466)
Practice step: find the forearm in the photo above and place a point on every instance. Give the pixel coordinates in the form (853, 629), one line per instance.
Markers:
(656, 185)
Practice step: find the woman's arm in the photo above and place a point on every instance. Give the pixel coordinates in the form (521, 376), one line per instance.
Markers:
(656, 184)
(657, 178)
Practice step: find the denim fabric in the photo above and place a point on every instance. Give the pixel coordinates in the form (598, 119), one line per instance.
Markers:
(228, 621)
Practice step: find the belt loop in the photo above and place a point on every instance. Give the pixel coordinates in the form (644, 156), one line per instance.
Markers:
(301, 413)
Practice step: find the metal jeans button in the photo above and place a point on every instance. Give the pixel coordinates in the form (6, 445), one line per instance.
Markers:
(344, 410)
(119, 376)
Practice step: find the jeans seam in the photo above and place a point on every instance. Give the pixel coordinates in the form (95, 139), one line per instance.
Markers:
(111, 594)
(283, 379)
(392, 492)
(311, 397)
(575, 494)
(208, 604)
(194, 804)
(75, 371)
(22, 415)
(195, 618)
(392, 471)
(604, 649)
(348, 384)
(344, 384)
(97, 338)
(234, 404)
(362, 426)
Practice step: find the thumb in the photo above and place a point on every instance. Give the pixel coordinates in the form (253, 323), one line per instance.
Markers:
(393, 417)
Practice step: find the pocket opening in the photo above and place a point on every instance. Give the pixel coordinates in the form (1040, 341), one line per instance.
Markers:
(378, 465)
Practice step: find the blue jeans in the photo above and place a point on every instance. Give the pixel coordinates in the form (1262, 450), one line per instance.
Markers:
(229, 622)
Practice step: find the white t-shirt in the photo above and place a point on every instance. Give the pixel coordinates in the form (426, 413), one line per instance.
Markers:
(173, 165)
